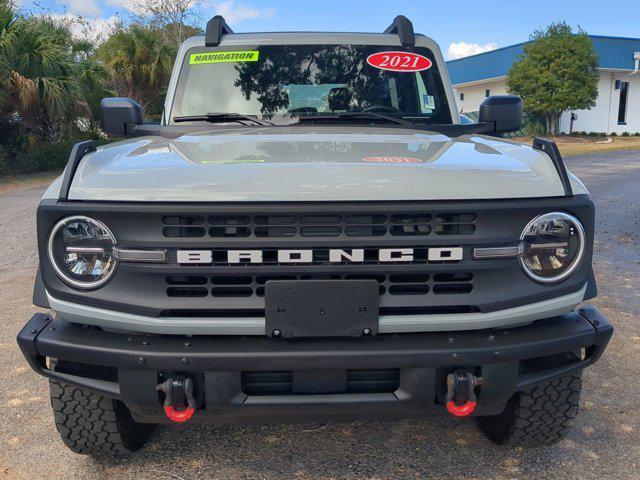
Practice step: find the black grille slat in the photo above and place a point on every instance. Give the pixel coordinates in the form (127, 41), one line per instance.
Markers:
(452, 288)
(232, 291)
(320, 225)
(182, 292)
(409, 289)
(187, 280)
(230, 286)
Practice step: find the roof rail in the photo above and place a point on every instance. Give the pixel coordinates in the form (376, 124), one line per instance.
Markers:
(404, 28)
(216, 28)
(550, 148)
(77, 153)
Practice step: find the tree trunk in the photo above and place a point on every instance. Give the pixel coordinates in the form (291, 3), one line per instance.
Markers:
(548, 124)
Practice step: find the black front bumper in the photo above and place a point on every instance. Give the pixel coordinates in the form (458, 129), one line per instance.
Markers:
(128, 367)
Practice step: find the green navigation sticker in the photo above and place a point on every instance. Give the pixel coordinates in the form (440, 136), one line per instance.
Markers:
(224, 57)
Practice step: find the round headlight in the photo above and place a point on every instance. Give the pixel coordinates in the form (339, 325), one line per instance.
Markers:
(553, 247)
(80, 251)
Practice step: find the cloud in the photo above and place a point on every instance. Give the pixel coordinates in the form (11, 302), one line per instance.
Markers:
(96, 30)
(87, 8)
(129, 5)
(464, 49)
(234, 12)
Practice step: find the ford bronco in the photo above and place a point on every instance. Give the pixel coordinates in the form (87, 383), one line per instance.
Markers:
(313, 232)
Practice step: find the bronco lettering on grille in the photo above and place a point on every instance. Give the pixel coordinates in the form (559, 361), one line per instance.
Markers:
(358, 255)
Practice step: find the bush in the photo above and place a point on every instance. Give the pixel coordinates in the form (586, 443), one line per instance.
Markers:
(3, 162)
(41, 157)
(533, 127)
(626, 134)
(614, 134)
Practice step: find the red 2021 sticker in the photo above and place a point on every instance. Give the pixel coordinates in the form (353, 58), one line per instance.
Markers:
(399, 61)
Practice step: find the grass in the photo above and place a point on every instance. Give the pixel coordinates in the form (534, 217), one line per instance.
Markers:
(570, 145)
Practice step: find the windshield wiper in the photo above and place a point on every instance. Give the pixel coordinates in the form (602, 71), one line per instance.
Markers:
(221, 118)
(354, 115)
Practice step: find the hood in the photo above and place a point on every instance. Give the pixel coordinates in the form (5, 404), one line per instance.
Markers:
(314, 164)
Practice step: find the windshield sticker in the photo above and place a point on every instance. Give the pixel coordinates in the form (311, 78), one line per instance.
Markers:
(399, 61)
(224, 57)
(429, 102)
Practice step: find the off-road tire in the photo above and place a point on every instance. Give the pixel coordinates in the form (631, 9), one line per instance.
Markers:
(91, 424)
(538, 416)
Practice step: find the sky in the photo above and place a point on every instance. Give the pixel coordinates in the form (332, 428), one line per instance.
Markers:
(461, 28)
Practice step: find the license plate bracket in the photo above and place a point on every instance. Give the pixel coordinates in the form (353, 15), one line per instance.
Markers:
(322, 308)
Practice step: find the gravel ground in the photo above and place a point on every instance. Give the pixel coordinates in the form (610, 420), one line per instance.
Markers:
(604, 443)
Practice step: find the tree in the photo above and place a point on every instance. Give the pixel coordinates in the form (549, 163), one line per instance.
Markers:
(40, 80)
(173, 18)
(558, 72)
(139, 62)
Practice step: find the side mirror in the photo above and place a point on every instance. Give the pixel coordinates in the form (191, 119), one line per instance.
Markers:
(118, 113)
(504, 111)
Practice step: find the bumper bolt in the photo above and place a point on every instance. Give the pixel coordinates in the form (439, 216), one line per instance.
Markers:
(184, 361)
(34, 331)
(367, 331)
(140, 359)
(455, 356)
(145, 343)
(492, 338)
(187, 344)
(277, 333)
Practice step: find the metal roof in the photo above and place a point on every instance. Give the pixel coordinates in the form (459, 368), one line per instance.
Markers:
(614, 52)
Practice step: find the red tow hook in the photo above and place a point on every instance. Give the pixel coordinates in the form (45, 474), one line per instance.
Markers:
(179, 403)
(461, 399)
(179, 416)
(462, 411)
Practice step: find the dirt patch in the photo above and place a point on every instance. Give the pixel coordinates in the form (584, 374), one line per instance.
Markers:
(584, 145)
(22, 182)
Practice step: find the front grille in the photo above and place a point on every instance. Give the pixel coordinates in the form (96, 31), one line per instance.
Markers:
(229, 286)
(319, 226)
(356, 230)
(358, 381)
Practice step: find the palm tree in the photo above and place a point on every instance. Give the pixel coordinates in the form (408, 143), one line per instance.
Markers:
(41, 81)
(140, 62)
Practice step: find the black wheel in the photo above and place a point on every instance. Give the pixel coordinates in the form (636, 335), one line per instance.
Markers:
(91, 424)
(537, 416)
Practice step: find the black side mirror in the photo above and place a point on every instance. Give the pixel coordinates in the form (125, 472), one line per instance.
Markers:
(118, 113)
(504, 111)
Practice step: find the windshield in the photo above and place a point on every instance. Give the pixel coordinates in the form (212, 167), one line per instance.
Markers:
(285, 82)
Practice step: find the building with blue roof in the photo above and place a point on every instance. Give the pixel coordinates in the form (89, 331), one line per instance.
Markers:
(617, 108)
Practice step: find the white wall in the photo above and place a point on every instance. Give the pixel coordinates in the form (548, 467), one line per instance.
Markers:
(604, 116)
(601, 118)
(474, 95)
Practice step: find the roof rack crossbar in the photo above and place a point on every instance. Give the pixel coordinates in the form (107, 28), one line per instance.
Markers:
(216, 28)
(403, 27)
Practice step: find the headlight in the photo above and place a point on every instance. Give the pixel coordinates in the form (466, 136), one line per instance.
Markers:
(553, 247)
(80, 251)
